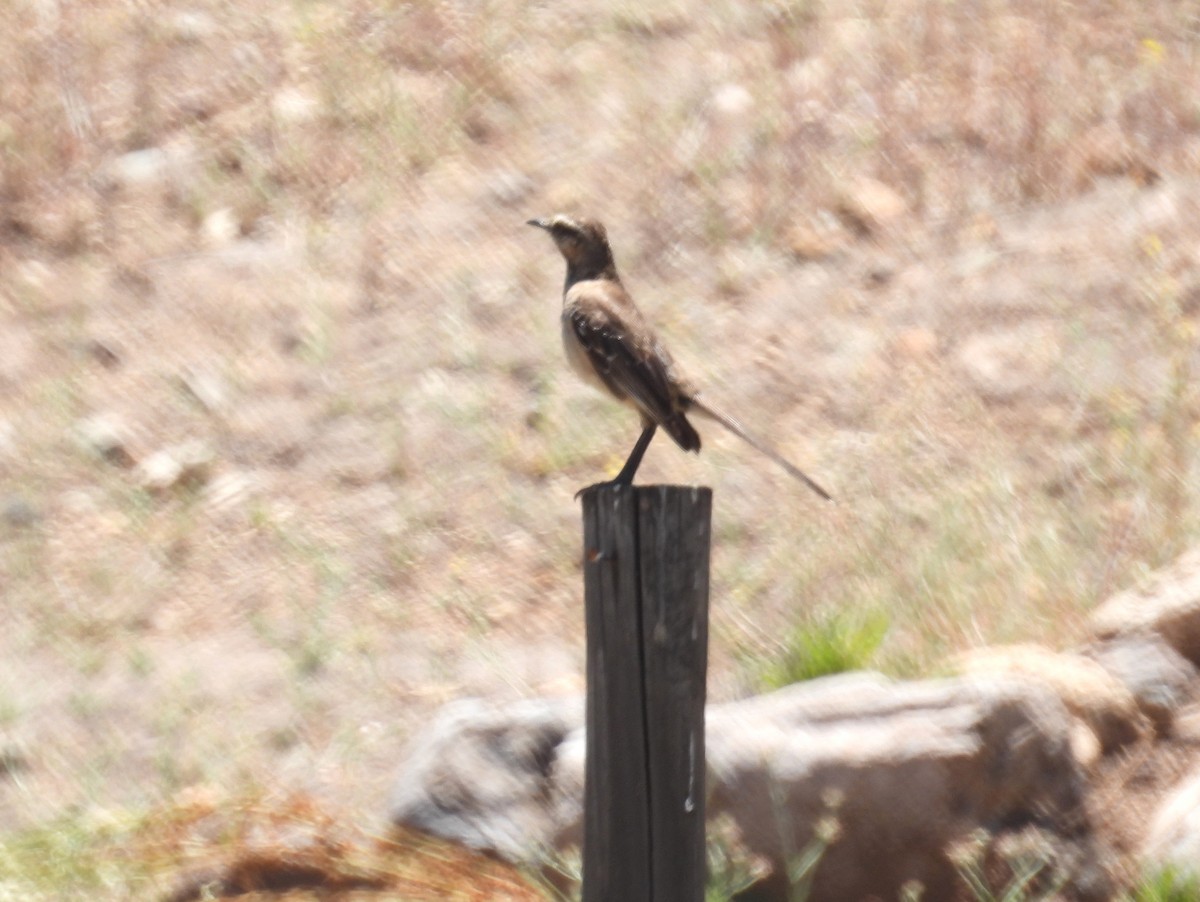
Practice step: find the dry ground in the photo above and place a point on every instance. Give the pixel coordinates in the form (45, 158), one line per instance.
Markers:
(945, 255)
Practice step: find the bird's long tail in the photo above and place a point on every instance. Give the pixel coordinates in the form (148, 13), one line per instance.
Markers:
(756, 443)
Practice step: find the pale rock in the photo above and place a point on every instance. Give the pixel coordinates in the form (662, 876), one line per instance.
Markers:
(481, 775)
(231, 489)
(509, 187)
(17, 512)
(186, 465)
(1162, 680)
(105, 436)
(220, 227)
(1093, 695)
(870, 206)
(207, 387)
(1007, 363)
(1173, 840)
(816, 238)
(295, 106)
(137, 168)
(190, 26)
(732, 101)
(1167, 604)
(906, 769)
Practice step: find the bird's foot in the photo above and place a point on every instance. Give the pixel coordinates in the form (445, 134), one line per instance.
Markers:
(603, 485)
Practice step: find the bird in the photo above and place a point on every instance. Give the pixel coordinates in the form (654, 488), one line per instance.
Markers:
(611, 345)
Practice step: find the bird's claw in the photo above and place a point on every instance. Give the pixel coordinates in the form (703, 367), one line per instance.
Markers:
(600, 485)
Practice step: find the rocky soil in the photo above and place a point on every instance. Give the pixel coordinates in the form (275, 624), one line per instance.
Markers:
(288, 450)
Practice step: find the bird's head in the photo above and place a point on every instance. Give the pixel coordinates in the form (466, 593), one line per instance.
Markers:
(582, 242)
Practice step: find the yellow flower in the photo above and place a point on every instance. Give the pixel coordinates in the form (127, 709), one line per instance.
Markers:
(1153, 52)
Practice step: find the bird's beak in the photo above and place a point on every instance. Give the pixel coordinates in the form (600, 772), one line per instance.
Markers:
(539, 223)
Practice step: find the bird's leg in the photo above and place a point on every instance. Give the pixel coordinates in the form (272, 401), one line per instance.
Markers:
(625, 477)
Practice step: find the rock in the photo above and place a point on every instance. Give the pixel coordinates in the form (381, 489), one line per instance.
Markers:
(298, 848)
(232, 489)
(64, 219)
(1174, 838)
(17, 512)
(190, 26)
(869, 206)
(137, 168)
(1101, 701)
(105, 436)
(1007, 363)
(1106, 151)
(1166, 604)
(147, 168)
(906, 770)
(915, 345)
(509, 187)
(732, 101)
(1160, 679)
(207, 387)
(220, 227)
(295, 106)
(187, 465)
(481, 775)
(102, 352)
(816, 238)
(13, 761)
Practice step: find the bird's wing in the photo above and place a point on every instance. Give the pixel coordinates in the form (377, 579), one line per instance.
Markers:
(639, 373)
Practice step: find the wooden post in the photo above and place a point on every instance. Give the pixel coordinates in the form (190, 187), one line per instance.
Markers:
(645, 577)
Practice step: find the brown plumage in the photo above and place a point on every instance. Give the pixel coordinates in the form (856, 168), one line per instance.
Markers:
(609, 343)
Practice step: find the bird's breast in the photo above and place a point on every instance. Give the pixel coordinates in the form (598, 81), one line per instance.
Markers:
(577, 356)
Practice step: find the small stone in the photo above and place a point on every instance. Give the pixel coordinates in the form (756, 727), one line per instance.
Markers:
(509, 188)
(732, 101)
(105, 436)
(231, 489)
(187, 465)
(1167, 603)
(915, 344)
(17, 512)
(816, 239)
(136, 169)
(293, 106)
(220, 227)
(12, 761)
(1173, 839)
(191, 26)
(870, 206)
(1105, 151)
(65, 220)
(1011, 362)
(102, 352)
(207, 388)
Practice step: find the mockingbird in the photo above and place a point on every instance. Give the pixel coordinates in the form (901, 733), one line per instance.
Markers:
(610, 344)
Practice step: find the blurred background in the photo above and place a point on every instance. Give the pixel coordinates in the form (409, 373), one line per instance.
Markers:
(288, 446)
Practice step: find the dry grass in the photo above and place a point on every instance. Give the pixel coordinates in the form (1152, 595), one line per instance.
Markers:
(330, 234)
(204, 845)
